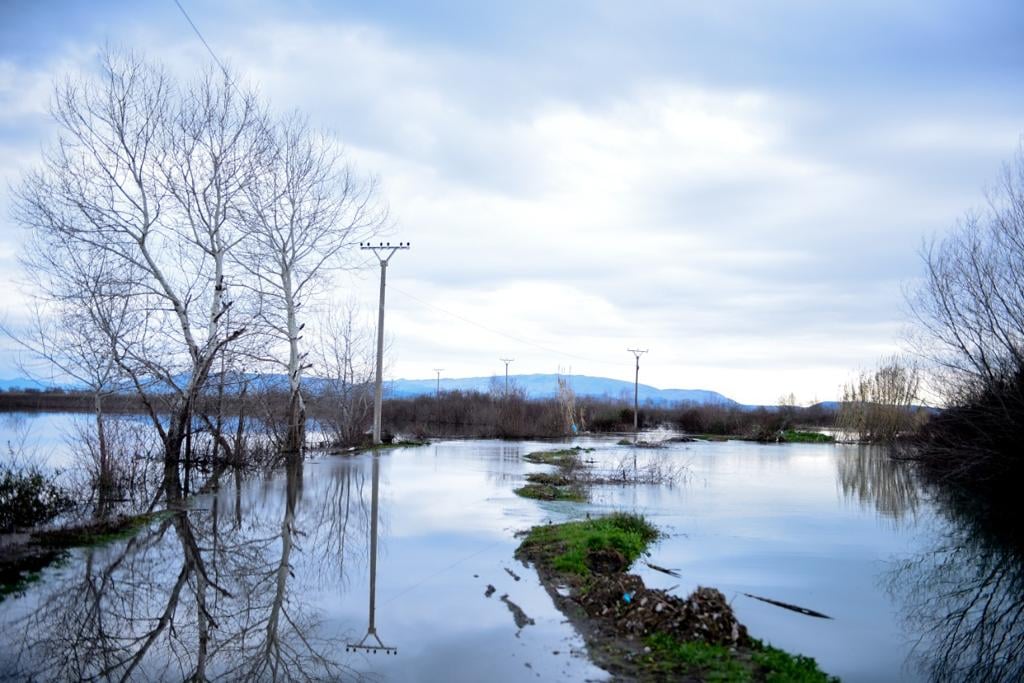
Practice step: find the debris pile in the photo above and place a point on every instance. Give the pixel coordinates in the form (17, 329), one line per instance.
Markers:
(629, 607)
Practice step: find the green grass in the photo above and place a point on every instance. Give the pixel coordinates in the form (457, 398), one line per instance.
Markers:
(718, 664)
(99, 533)
(795, 436)
(549, 492)
(548, 478)
(778, 666)
(712, 662)
(559, 457)
(566, 546)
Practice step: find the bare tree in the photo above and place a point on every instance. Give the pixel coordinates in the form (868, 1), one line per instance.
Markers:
(307, 207)
(148, 176)
(76, 306)
(344, 363)
(969, 310)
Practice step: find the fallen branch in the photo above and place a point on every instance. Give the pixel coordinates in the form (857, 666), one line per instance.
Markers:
(786, 605)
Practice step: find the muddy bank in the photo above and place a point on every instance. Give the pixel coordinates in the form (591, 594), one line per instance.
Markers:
(641, 634)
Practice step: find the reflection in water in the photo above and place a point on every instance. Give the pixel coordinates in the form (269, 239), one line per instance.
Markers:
(204, 593)
(872, 477)
(964, 600)
(371, 629)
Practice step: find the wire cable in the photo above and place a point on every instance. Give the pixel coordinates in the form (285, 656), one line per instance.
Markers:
(209, 49)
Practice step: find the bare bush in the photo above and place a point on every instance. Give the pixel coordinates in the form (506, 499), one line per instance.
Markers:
(660, 468)
(879, 405)
(342, 400)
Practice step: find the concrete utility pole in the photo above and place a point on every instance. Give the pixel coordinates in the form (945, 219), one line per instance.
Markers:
(636, 388)
(378, 250)
(506, 361)
(438, 371)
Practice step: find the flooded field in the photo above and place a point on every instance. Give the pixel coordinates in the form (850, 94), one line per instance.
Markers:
(271, 575)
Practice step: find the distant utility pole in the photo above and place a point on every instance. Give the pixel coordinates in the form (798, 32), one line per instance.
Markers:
(506, 361)
(438, 371)
(636, 388)
(379, 250)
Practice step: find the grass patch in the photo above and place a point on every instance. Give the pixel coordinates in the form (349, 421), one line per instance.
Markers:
(559, 457)
(548, 478)
(98, 533)
(795, 436)
(779, 666)
(549, 492)
(565, 546)
(711, 662)
(718, 664)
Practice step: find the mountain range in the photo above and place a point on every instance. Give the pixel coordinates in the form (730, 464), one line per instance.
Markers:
(533, 386)
(546, 386)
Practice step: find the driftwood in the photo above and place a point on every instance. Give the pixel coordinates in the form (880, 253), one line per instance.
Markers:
(786, 605)
(663, 570)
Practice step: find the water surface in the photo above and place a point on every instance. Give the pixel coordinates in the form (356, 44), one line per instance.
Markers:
(268, 576)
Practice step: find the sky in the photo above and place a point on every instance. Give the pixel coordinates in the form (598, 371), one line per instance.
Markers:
(743, 188)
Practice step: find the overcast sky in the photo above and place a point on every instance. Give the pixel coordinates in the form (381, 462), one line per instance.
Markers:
(741, 187)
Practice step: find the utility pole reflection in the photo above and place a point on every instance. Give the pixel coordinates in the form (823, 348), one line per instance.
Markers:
(371, 629)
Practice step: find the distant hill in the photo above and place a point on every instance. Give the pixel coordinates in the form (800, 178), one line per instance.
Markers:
(22, 383)
(545, 386)
(535, 386)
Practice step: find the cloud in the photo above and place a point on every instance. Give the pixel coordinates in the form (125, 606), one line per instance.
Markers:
(741, 191)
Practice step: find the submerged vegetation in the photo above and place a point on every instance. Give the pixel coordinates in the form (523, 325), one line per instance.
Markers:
(573, 476)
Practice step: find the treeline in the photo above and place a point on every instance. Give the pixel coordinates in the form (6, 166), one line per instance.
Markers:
(344, 418)
(493, 415)
(61, 401)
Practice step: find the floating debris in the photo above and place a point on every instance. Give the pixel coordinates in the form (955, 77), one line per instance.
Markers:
(671, 572)
(786, 605)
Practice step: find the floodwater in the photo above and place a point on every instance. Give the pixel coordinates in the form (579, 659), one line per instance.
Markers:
(271, 576)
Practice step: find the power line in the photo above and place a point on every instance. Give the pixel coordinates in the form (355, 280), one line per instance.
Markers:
(209, 49)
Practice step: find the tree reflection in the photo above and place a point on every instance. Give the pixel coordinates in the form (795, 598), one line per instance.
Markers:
(202, 594)
(964, 598)
(872, 477)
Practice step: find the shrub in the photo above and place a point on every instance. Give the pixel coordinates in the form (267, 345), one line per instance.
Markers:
(29, 496)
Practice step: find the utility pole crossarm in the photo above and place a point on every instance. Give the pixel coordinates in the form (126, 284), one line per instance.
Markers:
(379, 250)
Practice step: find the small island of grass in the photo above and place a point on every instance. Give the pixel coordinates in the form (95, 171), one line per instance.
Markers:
(642, 634)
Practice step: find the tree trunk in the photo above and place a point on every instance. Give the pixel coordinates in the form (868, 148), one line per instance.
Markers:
(296, 438)
(106, 475)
